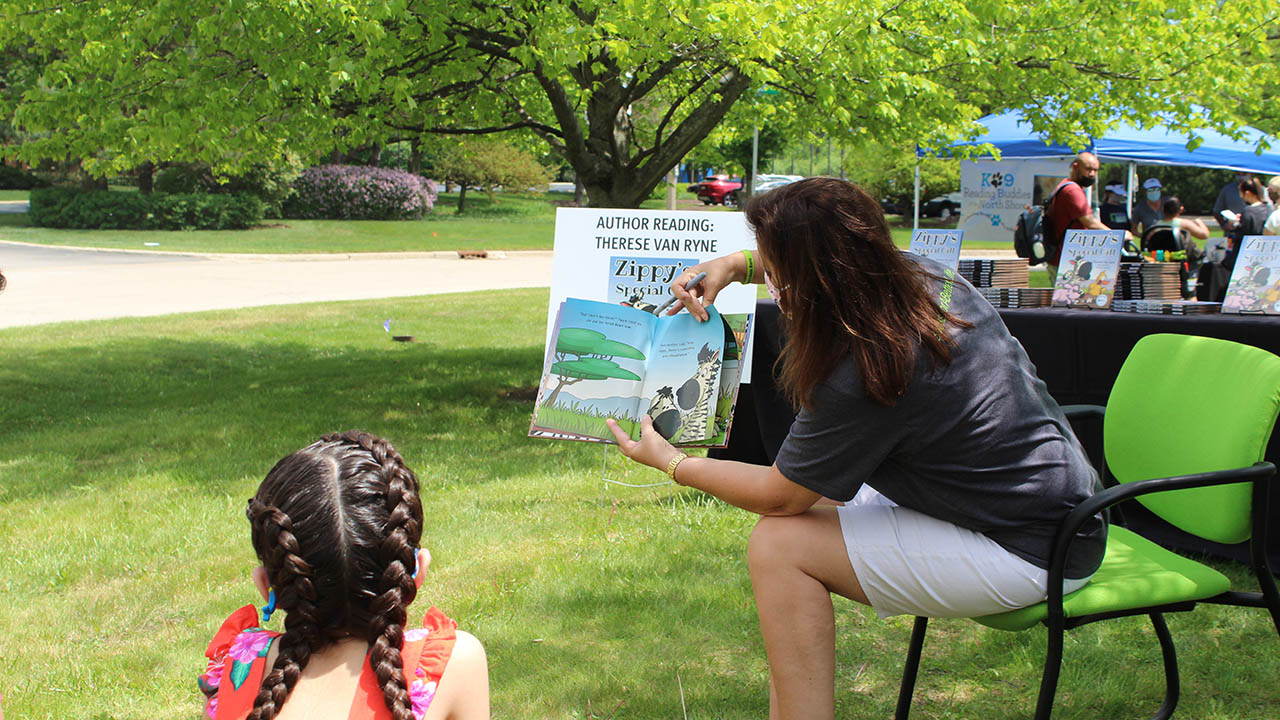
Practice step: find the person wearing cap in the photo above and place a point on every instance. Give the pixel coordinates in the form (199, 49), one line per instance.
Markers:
(1112, 212)
(1150, 211)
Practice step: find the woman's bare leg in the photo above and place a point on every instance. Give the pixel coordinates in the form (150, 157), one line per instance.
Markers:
(796, 563)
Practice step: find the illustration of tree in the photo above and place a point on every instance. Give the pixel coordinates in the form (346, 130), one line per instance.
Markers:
(592, 359)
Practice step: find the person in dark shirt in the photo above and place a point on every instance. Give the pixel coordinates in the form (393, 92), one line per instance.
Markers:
(1252, 220)
(1113, 211)
(928, 467)
(1149, 210)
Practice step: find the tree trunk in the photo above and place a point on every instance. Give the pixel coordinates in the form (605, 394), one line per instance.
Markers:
(462, 198)
(600, 151)
(415, 157)
(146, 177)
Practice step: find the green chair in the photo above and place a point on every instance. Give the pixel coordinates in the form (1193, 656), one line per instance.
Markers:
(1214, 486)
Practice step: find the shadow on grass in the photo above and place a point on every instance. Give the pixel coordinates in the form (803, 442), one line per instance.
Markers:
(93, 414)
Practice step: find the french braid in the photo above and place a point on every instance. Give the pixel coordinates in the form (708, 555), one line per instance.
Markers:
(355, 505)
(295, 592)
(396, 587)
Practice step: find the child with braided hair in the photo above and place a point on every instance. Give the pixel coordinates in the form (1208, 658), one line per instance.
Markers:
(337, 527)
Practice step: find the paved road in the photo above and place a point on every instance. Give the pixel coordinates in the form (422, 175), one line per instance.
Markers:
(13, 206)
(48, 285)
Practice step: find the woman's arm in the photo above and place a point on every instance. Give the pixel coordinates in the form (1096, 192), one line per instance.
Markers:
(1198, 230)
(757, 488)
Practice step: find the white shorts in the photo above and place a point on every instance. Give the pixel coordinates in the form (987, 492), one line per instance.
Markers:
(909, 563)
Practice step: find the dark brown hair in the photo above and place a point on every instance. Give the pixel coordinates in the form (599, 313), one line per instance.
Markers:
(1252, 185)
(337, 526)
(845, 289)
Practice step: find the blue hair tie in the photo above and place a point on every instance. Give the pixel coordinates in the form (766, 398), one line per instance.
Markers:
(270, 607)
(415, 565)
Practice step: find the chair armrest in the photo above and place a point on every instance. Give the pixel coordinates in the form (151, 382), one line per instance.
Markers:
(1078, 411)
(1259, 471)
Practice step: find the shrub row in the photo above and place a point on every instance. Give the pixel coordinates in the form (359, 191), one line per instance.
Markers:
(101, 210)
(13, 178)
(355, 192)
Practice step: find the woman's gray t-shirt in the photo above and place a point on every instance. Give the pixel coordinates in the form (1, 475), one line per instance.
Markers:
(979, 443)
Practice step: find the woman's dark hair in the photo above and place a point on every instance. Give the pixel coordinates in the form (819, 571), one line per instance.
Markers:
(846, 289)
(1252, 185)
(337, 526)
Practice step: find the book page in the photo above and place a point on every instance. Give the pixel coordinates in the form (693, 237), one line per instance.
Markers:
(682, 382)
(1088, 269)
(593, 370)
(1255, 281)
(737, 328)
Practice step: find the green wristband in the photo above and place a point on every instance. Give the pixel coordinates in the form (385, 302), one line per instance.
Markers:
(751, 268)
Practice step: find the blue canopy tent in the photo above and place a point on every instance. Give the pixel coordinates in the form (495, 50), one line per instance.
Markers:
(1014, 137)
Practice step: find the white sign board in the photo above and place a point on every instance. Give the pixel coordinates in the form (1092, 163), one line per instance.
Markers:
(996, 193)
(630, 256)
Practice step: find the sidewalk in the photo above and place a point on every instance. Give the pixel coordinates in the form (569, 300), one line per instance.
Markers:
(51, 284)
(48, 285)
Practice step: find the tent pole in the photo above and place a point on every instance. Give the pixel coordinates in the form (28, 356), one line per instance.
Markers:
(915, 205)
(1130, 182)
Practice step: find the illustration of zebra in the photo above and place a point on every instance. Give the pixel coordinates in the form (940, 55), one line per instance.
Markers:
(665, 414)
(638, 302)
(695, 396)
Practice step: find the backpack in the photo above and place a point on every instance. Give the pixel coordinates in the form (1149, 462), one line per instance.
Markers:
(1030, 239)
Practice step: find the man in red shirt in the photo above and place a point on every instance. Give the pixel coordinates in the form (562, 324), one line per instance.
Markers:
(1070, 208)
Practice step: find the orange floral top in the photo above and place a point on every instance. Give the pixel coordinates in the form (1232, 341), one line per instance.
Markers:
(238, 658)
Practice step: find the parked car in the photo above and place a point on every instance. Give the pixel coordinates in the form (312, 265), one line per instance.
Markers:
(774, 180)
(891, 206)
(713, 190)
(943, 206)
(763, 183)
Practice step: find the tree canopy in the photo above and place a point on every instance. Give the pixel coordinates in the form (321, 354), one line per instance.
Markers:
(621, 89)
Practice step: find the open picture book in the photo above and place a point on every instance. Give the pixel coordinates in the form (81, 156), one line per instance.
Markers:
(610, 360)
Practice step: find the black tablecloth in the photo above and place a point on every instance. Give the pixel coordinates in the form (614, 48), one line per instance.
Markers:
(1078, 354)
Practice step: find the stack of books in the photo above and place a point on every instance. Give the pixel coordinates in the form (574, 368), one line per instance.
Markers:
(1166, 307)
(995, 272)
(1149, 281)
(1018, 297)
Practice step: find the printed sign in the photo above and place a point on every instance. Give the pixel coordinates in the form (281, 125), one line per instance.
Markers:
(996, 193)
(630, 257)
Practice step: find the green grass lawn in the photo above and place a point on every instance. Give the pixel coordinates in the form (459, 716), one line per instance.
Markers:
(128, 449)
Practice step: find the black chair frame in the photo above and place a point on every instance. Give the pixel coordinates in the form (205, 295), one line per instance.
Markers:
(1261, 474)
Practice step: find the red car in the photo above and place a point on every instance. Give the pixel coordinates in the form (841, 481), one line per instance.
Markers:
(715, 190)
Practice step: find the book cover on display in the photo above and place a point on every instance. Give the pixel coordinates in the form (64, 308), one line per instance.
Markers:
(1088, 269)
(1255, 281)
(614, 360)
(941, 246)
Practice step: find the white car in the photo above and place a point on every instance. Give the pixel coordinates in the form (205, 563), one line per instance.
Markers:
(773, 181)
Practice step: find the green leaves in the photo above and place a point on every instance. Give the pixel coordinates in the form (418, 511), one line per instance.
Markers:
(622, 90)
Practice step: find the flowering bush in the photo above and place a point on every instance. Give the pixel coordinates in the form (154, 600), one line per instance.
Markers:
(355, 192)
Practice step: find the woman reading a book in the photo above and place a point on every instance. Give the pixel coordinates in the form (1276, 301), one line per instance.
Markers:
(927, 468)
